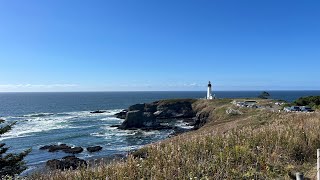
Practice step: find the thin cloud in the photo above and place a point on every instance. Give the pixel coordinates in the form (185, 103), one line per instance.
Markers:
(185, 85)
(193, 85)
(10, 86)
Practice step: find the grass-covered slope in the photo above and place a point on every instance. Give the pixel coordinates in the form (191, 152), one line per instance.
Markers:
(256, 144)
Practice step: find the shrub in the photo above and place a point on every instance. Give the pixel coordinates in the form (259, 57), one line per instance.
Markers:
(312, 101)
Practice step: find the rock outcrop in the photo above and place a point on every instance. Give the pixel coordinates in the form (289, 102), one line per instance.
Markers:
(175, 110)
(200, 119)
(94, 149)
(152, 107)
(122, 114)
(233, 112)
(149, 116)
(140, 120)
(62, 147)
(137, 107)
(98, 112)
(74, 150)
(54, 148)
(68, 162)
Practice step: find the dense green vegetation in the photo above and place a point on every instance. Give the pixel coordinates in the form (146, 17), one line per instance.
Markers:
(257, 144)
(311, 101)
(173, 101)
(10, 164)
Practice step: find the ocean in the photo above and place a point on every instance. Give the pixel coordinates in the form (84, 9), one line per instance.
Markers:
(55, 118)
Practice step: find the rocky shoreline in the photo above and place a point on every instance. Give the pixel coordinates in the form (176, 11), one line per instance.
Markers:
(153, 116)
(68, 162)
(147, 116)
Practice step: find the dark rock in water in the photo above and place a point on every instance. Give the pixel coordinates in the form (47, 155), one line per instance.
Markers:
(137, 107)
(122, 114)
(133, 120)
(62, 147)
(68, 162)
(98, 112)
(54, 148)
(138, 119)
(149, 116)
(45, 147)
(115, 126)
(94, 149)
(75, 150)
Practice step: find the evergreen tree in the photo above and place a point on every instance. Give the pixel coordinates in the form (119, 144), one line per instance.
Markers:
(10, 164)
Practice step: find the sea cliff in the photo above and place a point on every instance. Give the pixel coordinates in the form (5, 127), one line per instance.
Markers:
(153, 116)
(232, 142)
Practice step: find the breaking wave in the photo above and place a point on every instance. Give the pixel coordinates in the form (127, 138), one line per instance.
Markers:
(38, 115)
(30, 124)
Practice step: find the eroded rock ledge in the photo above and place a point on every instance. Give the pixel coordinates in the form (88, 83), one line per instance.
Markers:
(149, 116)
(68, 162)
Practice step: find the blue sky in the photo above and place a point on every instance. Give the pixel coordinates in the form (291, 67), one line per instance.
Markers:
(126, 45)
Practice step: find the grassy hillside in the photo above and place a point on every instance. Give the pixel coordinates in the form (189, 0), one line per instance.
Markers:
(257, 144)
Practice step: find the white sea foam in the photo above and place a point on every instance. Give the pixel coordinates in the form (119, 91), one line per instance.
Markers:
(114, 133)
(80, 127)
(113, 112)
(34, 125)
(41, 122)
(79, 113)
(183, 125)
(111, 119)
(110, 128)
(38, 115)
(89, 114)
(150, 133)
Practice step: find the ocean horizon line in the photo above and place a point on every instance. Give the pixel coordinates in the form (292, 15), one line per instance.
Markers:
(155, 91)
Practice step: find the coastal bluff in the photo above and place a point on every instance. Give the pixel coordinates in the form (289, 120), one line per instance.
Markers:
(151, 116)
(235, 139)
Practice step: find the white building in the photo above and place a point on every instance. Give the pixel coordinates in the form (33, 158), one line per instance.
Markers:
(209, 92)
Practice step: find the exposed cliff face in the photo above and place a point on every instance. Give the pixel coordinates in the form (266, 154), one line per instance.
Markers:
(201, 119)
(149, 116)
(137, 107)
(176, 110)
(122, 114)
(138, 119)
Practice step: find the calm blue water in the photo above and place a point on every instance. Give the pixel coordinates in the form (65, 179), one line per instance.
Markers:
(52, 118)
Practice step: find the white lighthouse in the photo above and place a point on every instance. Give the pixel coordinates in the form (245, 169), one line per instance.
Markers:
(209, 92)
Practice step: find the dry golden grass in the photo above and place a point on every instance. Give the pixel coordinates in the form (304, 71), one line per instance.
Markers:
(255, 145)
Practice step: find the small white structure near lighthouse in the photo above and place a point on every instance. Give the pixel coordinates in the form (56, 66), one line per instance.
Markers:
(209, 92)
